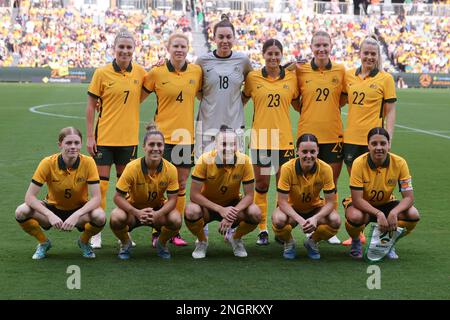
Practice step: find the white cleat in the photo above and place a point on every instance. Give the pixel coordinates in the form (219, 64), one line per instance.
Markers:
(238, 247)
(334, 240)
(96, 241)
(200, 249)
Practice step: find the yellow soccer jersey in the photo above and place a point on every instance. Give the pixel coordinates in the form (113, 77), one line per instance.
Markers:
(222, 183)
(304, 191)
(67, 187)
(378, 184)
(175, 92)
(366, 98)
(119, 93)
(271, 128)
(145, 190)
(320, 111)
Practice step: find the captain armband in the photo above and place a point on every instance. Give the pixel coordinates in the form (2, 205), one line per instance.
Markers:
(405, 185)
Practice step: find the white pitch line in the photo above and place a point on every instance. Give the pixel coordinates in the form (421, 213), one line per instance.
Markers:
(418, 130)
(34, 109)
(423, 131)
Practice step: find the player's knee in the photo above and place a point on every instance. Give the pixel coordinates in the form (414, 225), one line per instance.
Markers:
(254, 213)
(118, 218)
(354, 216)
(192, 211)
(334, 220)
(98, 217)
(175, 219)
(277, 221)
(23, 212)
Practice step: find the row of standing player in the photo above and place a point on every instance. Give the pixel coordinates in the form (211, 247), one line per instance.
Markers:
(322, 85)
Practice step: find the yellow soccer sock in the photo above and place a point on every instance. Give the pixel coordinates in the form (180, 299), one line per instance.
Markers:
(122, 234)
(166, 234)
(353, 230)
(284, 234)
(181, 203)
(104, 185)
(336, 202)
(260, 199)
(408, 224)
(196, 228)
(323, 232)
(32, 227)
(89, 230)
(243, 229)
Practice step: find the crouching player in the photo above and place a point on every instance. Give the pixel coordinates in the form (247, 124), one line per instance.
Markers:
(373, 179)
(140, 197)
(299, 201)
(69, 176)
(216, 182)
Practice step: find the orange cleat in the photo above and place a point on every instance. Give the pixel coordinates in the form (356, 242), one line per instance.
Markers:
(348, 242)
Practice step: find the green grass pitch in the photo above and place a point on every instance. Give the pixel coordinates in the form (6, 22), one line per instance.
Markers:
(423, 271)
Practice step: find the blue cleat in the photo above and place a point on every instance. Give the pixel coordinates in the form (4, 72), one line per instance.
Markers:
(289, 250)
(162, 251)
(263, 238)
(312, 249)
(392, 255)
(41, 250)
(356, 249)
(86, 249)
(125, 250)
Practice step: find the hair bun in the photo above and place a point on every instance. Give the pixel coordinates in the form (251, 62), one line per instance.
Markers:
(151, 126)
(224, 16)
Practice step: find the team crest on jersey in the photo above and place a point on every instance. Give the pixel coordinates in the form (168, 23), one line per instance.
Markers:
(318, 185)
(79, 180)
(335, 80)
(136, 81)
(192, 81)
(236, 176)
(237, 69)
(373, 86)
(391, 182)
(163, 184)
(286, 87)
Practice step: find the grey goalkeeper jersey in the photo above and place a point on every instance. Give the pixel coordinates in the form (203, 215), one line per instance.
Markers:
(222, 82)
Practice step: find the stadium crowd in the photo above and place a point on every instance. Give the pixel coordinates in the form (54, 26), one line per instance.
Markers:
(37, 37)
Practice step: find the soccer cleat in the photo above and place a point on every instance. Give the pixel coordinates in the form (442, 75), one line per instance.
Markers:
(238, 246)
(289, 250)
(200, 249)
(229, 234)
(356, 249)
(133, 244)
(263, 238)
(125, 250)
(348, 242)
(41, 250)
(86, 249)
(178, 241)
(312, 249)
(162, 251)
(96, 241)
(334, 240)
(155, 236)
(392, 255)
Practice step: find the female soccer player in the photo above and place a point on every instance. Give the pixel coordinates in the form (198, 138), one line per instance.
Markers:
(69, 176)
(176, 84)
(114, 93)
(371, 97)
(219, 198)
(373, 179)
(320, 83)
(272, 90)
(299, 202)
(140, 196)
(224, 71)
